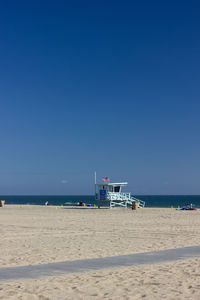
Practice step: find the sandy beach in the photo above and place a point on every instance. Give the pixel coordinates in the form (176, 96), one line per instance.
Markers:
(32, 235)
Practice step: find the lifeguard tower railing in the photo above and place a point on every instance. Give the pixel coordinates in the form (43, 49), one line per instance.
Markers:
(123, 199)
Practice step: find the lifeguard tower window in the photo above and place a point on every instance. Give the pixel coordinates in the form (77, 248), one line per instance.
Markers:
(110, 188)
(117, 189)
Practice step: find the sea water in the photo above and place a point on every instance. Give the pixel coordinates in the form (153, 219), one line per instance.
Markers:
(150, 201)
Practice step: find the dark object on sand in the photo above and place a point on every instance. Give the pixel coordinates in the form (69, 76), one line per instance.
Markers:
(2, 203)
(134, 205)
(187, 207)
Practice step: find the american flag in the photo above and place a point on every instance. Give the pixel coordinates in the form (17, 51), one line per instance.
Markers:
(105, 179)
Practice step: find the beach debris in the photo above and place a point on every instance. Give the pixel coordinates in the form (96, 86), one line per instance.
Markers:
(134, 205)
(2, 203)
(187, 207)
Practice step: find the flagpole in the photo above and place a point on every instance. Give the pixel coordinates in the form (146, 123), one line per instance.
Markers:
(95, 183)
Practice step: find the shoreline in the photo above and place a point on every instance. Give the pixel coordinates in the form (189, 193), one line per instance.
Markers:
(87, 206)
(162, 201)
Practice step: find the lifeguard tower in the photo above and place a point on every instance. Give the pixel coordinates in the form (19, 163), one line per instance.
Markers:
(112, 194)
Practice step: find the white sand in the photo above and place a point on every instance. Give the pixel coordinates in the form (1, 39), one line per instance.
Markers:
(34, 235)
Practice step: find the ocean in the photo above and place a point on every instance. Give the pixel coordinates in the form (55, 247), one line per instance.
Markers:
(151, 201)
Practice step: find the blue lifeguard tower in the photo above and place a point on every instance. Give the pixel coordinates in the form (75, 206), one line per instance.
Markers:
(112, 194)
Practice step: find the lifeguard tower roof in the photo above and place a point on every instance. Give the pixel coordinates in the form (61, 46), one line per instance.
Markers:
(114, 183)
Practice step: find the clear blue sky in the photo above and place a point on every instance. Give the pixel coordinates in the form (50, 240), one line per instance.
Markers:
(111, 86)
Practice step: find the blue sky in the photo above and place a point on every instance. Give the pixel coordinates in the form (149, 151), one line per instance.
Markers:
(111, 86)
